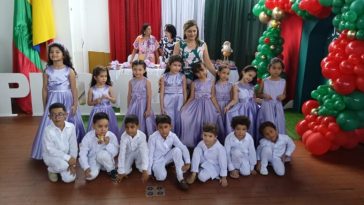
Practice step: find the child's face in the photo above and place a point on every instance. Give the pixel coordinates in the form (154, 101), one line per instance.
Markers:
(202, 74)
(240, 131)
(175, 67)
(191, 33)
(55, 54)
(57, 115)
(224, 74)
(275, 69)
(164, 129)
(209, 138)
(248, 76)
(101, 127)
(138, 71)
(166, 33)
(101, 78)
(148, 31)
(270, 133)
(131, 129)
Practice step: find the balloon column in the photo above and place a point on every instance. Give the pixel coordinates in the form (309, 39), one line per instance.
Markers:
(335, 118)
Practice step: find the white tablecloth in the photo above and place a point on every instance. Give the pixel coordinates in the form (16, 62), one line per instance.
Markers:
(120, 79)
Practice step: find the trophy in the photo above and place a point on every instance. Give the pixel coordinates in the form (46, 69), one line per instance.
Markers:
(226, 51)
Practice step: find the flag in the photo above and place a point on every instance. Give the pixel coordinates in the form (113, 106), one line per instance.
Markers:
(43, 28)
(25, 58)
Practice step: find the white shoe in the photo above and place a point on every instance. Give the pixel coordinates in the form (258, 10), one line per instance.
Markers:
(264, 171)
(53, 177)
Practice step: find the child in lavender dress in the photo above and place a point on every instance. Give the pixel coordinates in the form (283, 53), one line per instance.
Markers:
(139, 98)
(273, 91)
(200, 108)
(173, 92)
(100, 95)
(59, 85)
(247, 105)
(224, 91)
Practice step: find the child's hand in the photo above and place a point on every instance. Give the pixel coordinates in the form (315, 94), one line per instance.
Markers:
(72, 169)
(147, 113)
(227, 108)
(186, 167)
(267, 97)
(281, 97)
(88, 173)
(73, 109)
(234, 174)
(72, 161)
(106, 97)
(284, 157)
(223, 182)
(258, 100)
(106, 140)
(98, 101)
(145, 176)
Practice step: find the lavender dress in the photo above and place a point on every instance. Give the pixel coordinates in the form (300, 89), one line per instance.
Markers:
(223, 97)
(173, 99)
(104, 106)
(246, 106)
(59, 90)
(138, 105)
(199, 111)
(272, 110)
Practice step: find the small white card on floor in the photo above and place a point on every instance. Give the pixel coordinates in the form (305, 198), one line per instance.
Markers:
(151, 191)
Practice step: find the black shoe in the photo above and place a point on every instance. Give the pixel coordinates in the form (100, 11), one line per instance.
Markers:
(113, 174)
(183, 185)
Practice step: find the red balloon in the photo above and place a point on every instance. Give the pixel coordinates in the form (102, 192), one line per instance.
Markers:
(331, 70)
(329, 135)
(340, 138)
(359, 69)
(333, 127)
(302, 127)
(355, 47)
(346, 67)
(351, 143)
(354, 59)
(323, 129)
(344, 84)
(305, 136)
(310, 118)
(360, 83)
(308, 106)
(317, 144)
(334, 147)
(326, 121)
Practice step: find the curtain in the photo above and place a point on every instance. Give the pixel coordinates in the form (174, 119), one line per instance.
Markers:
(316, 36)
(126, 18)
(177, 12)
(232, 20)
(291, 31)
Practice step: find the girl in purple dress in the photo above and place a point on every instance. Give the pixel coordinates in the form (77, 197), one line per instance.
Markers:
(200, 108)
(59, 85)
(247, 105)
(173, 92)
(139, 99)
(224, 91)
(273, 91)
(101, 95)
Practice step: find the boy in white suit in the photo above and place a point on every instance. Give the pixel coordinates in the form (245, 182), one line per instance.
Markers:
(98, 149)
(60, 145)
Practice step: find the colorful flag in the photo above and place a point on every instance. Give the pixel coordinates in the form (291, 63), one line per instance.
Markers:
(25, 58)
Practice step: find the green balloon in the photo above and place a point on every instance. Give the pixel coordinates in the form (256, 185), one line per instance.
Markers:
(360, 114)
(339, 105)
(315, 94)
(329, 104)
(336, 9)
(354, 101)
(348, 2)
(358, 7)
(351, 16)
(265, 75)
(360, 22)
(348, 120)
(345, 9)
(326, 2)
(257, 9)
(335, 21)
(360, 34)
(337, 3)
(349, 25)
(269, 12)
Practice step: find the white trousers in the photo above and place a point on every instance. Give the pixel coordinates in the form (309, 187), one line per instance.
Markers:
(207, 170)
(60, 166)
(241, 162)
(103, 161)
(159, 167)
(266, 156)
(130, 158)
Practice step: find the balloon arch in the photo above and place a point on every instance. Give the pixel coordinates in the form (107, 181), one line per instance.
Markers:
(335, 118)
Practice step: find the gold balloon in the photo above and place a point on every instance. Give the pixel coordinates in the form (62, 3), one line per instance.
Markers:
(351, 34)
(277, 13)
(314, 111)
(274, 23)
(272, 47)
(263, 17)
